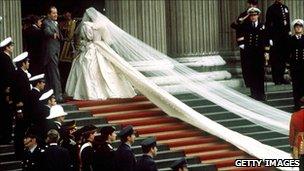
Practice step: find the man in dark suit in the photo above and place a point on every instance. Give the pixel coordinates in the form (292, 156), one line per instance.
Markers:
(20, 89)
(278, 31)
(125, 158)
(34, 40)
(6, 69)
(179, 165)
(86, 152)
(255, 47)
(56, 157)
(243, 18)
(33, 154)
(296, 61)
(146, 162)
(104, 157)
(52, 38)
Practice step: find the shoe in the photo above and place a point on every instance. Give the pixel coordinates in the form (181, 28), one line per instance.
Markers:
(60, 100)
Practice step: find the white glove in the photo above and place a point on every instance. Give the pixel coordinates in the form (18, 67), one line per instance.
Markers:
(270, 42)
(242, 46)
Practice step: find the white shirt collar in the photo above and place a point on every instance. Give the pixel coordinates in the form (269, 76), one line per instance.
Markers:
(36, 89)
(33, 149)
(53, 144)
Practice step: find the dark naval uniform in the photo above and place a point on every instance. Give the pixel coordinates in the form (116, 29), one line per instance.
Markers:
(33, 160)
(146, 163)
(239, 38)
(21, 88)
(104, 157)
(6, 69)
(296, 61)
(125, 158)
(254, 41)
(278, 30)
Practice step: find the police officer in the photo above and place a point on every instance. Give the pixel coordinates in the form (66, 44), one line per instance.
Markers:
(86, 151)
(125, 158)
(179, 165)
(296, 61)
(104, 152)
(20, 90)
(6, 69)
(278, 30)
(68, 142)
(146, 162)
(243, 18)
(56, 118)
(33, 154)
(254, 43)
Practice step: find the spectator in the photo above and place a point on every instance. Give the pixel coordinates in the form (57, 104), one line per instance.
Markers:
(125, 158)
(179, 165)
(34, 40)
(104, 152)
(6, 69)
(146, 162)
(56, 158)
(52, 37)
(86, 151)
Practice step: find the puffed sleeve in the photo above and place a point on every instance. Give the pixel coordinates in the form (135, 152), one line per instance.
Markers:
(87, 30)
(105, 34)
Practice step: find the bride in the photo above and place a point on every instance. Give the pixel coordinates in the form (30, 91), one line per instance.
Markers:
(92, 76)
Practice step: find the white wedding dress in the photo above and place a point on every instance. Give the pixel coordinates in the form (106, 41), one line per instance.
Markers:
(92, 76)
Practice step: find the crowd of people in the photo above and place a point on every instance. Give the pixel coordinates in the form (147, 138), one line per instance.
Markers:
(273, 41)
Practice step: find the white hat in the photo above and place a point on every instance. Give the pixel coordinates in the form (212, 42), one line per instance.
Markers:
(56, 111)
(20, 57)
(37, 77)
(46, 95)
(0, 18)
(253, 10)
(5, 42)
(297, 21)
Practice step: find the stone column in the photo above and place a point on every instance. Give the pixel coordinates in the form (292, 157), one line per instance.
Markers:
(193, 27)
(11, 23)
(142, 19)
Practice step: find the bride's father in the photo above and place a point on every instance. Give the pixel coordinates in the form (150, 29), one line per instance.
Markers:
(52, 49)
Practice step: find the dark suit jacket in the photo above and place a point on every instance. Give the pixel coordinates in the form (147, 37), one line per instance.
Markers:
(21, 86)
(125, 158)
(34, 46)
(104, 157)
(145, 163)
(87, 158)
(33, 103)
(57, 158)
(51, 45)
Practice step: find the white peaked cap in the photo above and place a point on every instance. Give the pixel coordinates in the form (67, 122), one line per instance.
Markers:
(5, 42)
(297, 21)
(46, 95)
(56, 111)
(37, 77)
(253, 10)
(20, 57)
